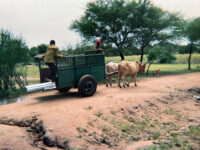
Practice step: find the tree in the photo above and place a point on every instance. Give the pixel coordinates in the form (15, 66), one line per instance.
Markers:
(192, 32)
(155, 25)
(42, 48)
(33, 51)
(108, 19)
(159, 54)
(39, 49)
(125, 23)
(13, 51)
(80, 48)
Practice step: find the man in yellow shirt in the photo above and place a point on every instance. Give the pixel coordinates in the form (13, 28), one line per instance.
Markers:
(52, 52)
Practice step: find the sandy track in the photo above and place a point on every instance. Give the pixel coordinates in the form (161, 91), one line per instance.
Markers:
(62, 114)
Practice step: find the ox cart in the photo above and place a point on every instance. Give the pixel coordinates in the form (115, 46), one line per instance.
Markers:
(78, 71)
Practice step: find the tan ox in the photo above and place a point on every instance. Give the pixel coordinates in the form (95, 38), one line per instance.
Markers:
(111, 69)
(129, 68)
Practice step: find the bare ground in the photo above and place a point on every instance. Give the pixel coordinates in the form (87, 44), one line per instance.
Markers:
(159, 113)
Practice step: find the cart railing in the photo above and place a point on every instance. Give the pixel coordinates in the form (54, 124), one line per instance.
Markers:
(80, 60)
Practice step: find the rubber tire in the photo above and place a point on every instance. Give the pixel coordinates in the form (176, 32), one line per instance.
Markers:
(64, 89)
(87, 85)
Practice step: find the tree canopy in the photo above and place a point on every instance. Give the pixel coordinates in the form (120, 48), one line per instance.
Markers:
(193, 30)
(123, 23)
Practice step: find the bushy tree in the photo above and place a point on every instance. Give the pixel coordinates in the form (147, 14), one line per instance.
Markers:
(78, 49)
(33, 51)
(13, 51)
(160, 54)
(40, 49)
(126, 23)
(192, 32)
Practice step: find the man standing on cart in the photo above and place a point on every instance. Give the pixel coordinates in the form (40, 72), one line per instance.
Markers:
(52, 53)
(97, 47)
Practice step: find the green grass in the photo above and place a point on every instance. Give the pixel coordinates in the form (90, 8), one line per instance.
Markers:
(156, 135)
(105, 128)
(98, 114)
(180, 66)
(113, 112)
(167, 69)
(33, 71)
(180, 58)
(33, 82)
(194, 131)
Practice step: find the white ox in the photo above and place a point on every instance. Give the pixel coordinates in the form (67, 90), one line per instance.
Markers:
(129, 68)
(111, 69)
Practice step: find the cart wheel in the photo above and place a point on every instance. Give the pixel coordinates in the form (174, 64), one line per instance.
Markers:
(64, 90)
(87, 85)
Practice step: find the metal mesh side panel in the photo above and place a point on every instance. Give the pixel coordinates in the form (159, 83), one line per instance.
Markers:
(80, 61)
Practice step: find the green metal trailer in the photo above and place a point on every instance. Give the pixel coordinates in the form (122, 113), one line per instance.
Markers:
(78, 71)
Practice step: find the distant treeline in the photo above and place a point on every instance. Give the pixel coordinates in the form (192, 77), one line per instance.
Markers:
(180, 58)
(110, 51)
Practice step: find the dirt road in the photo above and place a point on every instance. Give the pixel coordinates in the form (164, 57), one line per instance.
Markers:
(159, 112)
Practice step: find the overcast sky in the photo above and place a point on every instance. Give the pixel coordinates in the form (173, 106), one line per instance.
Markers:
(39, 21)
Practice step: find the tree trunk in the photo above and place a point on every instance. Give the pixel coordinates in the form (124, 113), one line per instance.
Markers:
(142, 53)
(5, 81)
(1, 88)
(189, 59)
(147, 72)
(121, 55)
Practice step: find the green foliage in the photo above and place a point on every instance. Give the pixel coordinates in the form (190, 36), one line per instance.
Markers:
(113, 112)
(89, 108)
(81, 130)
(167, 57)
(11, 92)
(153, 54)
(105, 128)
(33, 51)
(156, 135)
(192, 30)
(134, 138)
(98, 114)
(194, 131)
(91, 123)
(161, 54)
(42, 48)
(38, 50)
(125, 24)
(122, 126)
(87, 46)
(13, 51)
(79, 49)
